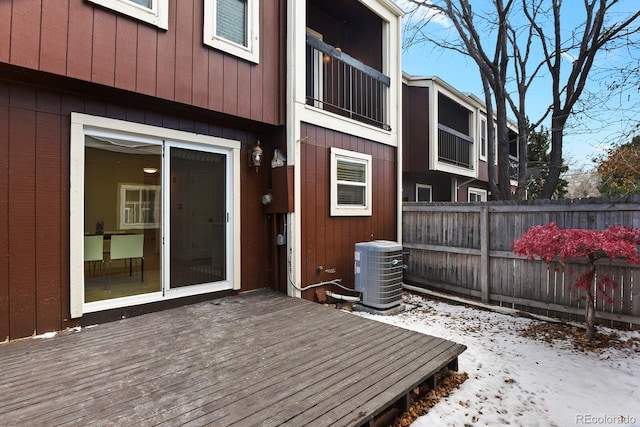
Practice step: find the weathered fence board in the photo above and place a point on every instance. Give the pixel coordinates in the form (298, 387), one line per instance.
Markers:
(465, 249)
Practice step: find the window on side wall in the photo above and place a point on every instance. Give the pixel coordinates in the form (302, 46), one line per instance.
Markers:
(154, 12)
(423, 193)
(350, 183)
(233, 27)
(477, 195)
(483, 139)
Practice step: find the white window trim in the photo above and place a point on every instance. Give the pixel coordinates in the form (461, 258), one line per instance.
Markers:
(435, 90)
(430, 187)
(343, 210)
(483, 139)
(82, 124)
(478, 192)
(157, 15)
(251, 52)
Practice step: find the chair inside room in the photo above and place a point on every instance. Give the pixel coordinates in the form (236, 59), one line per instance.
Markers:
(127, 246)
(93, 252)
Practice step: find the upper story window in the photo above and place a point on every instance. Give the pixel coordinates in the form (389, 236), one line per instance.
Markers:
(154, 12)
(483, 139)
(233, 26)
(351, 180)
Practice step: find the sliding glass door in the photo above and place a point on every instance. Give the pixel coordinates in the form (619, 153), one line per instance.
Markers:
(157, 215)
(198, 224)
(122, 212)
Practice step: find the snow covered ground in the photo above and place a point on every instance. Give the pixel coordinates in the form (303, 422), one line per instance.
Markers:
(524, 381)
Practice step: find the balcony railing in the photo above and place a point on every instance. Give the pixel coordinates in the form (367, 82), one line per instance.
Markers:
(454, 147)
(341, 84)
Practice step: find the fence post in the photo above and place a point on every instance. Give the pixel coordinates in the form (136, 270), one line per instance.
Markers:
(484, 253)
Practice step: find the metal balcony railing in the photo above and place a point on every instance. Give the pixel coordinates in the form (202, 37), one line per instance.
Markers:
(341, 84)
(454, 147)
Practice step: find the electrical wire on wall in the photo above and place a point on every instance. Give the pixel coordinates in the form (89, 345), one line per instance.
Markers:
(335, 282)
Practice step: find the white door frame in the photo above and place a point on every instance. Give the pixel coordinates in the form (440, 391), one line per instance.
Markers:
(81, 124)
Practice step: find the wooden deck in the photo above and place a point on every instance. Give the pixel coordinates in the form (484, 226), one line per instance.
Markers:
(255, 359)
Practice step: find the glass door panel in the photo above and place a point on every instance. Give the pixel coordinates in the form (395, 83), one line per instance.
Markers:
(122, 211)
(198, 217)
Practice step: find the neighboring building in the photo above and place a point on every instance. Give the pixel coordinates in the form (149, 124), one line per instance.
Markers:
(445, 147)
(122, 118)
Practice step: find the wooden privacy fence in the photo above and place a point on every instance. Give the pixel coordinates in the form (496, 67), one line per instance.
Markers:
(465, 249)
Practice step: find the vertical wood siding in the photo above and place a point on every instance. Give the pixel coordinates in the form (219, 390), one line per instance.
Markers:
(330, 241)
(77, 39)
(34, 201)
(446, 252)
(415, 112)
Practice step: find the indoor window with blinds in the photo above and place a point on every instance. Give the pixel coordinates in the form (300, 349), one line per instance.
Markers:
(350, 183)
(145, 3)
(231, 20)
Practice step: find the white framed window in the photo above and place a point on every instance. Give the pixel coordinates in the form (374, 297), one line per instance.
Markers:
(351, 179)
(483, 139)
(154, 12)
(477, 195)
(233, 27)
(423, 193)
(138, 206)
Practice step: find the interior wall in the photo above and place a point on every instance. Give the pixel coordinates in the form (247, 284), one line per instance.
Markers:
(104, 171)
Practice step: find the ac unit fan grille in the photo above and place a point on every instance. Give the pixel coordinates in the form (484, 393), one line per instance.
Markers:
(379, 273)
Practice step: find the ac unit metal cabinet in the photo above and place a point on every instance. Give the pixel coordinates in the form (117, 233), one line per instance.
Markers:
(378, 273)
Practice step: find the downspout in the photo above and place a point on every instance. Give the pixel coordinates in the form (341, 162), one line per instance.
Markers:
(398, 126)
(295, 12)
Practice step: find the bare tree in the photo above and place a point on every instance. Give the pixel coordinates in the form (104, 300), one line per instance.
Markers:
(543, 27)
(567, 90)
(492, 61)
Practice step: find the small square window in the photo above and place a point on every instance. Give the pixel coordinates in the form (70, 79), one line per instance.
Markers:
(154, 12)
(233, 27)
(423, 193)
(350, 183)
(477, 195)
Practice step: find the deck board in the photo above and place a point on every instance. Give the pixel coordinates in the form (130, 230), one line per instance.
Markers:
(259, 358)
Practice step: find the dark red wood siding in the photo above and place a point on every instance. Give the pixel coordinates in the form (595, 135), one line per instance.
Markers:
(78, 39)
(329, 242)
(34, 198)
(415, 132)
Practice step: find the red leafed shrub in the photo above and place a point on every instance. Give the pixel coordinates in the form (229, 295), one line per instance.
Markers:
(552, 243)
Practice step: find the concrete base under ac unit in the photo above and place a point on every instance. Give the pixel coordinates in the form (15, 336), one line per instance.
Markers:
(400, 308)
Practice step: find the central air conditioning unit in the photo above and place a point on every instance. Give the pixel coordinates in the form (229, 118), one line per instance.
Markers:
(378, 273)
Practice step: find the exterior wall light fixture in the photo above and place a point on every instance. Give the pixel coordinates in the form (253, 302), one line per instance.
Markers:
(255, 156)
